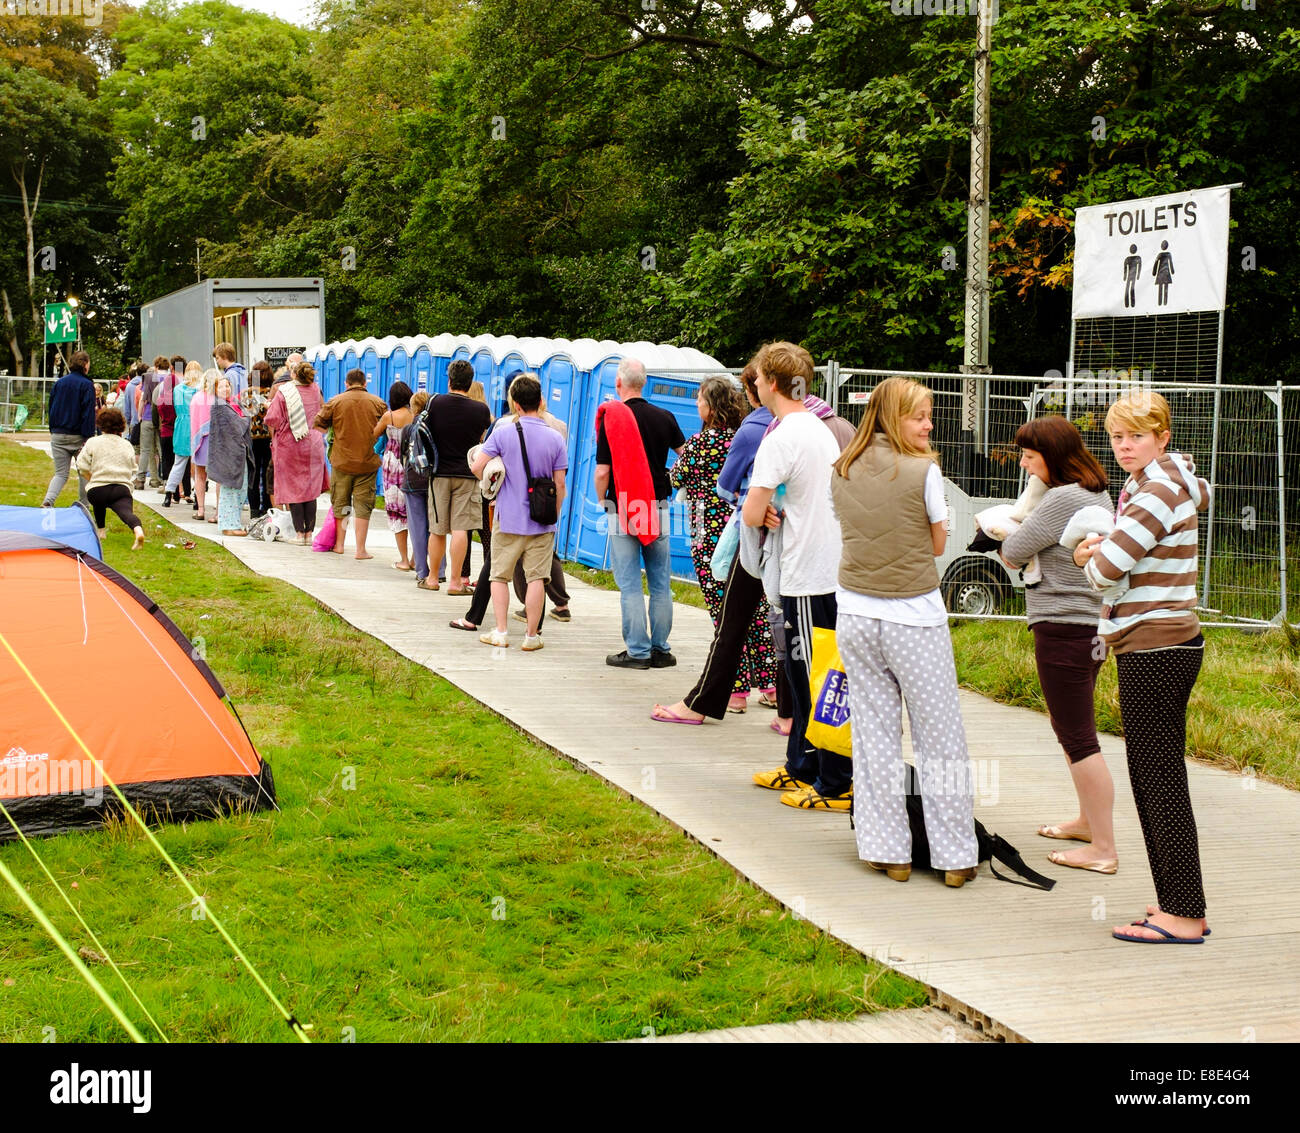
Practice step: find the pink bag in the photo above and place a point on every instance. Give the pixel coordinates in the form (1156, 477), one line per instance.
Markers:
(324, 540)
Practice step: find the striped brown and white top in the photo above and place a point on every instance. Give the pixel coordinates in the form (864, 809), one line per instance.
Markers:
(1153, 550)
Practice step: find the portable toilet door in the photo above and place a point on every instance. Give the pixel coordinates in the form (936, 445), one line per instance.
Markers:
(399, 368)
(485, 371)
(348, 361)
(375, 382)
(511, 362)
(586, 539)
(330, 373)
(560, 388)
(421, 370)
(677, 394)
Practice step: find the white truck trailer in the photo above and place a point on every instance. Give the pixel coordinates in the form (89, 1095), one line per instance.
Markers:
(263, 319)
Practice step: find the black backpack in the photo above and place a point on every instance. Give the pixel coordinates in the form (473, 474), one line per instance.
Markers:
(992, 847)
(419, 453)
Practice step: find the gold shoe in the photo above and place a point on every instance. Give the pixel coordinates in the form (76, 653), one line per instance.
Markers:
(1064, 835)
(899, 871)
(956, 878)
(1102, 865)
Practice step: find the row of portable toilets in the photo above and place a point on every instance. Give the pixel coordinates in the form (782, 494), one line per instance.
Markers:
(576, 377)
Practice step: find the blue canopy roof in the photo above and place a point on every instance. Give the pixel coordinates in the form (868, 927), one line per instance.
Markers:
(70, 525)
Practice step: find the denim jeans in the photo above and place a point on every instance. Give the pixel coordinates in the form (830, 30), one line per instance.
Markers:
(626, 555)
(417, 523)
(64, 447)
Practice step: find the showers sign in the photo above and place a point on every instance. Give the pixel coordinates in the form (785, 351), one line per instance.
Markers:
(1155, 256)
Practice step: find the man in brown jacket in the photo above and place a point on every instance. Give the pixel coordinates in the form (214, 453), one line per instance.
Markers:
(353, 461)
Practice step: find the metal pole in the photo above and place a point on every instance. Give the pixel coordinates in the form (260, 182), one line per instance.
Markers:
(1069, 374)
(976, 321)
(1281, 500)
(1214, 469)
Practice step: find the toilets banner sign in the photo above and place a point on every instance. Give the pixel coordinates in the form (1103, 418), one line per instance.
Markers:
(1157, 256)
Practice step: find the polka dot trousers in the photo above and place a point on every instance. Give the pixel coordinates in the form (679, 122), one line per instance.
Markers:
(1154, 687)
(887, 663)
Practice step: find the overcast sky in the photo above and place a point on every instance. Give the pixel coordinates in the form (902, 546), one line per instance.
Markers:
(298, 12)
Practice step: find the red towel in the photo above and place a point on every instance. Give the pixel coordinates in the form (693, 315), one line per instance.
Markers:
(638, 510)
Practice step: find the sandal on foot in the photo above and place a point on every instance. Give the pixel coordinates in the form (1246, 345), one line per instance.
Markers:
(425, 584)
(461, 623)
(738, 702)
(1101, 865)
(780, 731)
(1062, 833)
(1152, 910)
(664, 716)
(766, 699)
(1165, 937)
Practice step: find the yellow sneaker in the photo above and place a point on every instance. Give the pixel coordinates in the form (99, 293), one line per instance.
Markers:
(780, 780)
(809, 799)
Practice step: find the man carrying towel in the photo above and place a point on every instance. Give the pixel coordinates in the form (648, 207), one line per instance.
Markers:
(633, 438)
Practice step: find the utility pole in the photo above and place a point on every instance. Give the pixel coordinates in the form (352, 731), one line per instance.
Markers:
(976, 324)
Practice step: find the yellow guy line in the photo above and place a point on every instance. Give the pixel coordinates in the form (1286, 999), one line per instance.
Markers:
(208, 914)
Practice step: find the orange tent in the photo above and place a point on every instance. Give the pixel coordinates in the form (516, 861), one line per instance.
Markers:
(91, 667)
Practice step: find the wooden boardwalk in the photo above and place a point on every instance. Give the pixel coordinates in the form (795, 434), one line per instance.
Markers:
(1015, 962)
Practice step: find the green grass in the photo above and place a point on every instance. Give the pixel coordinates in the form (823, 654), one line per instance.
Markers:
(1244, 711)
(687, 593)
(433, 875)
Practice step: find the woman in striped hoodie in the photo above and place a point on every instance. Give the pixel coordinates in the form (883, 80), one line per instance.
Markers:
(1148, 567)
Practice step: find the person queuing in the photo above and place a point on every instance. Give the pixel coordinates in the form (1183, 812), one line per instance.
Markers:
(230, 459)
(390, 426)
(255, 401)
(633, 439)
(532, 452)
(298, 449)
(147, 412)
(1062, 614)
(106, 466)
(182, 396)
(742, 636)
(353, 414)
(415, 487)
(796, 457)
(1152, 629)
(892, 632)
(458, 422)
(166, 405)
(72, 423)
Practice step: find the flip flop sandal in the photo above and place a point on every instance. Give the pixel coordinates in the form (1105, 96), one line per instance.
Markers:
(766, 701)
(671, 717)
(425, 584)
(1143, 924)
(737, 704)
(1166, 937)
(460, 593)
(780, 731)
(461, 623)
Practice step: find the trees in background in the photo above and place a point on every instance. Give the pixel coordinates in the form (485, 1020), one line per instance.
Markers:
(710, 172)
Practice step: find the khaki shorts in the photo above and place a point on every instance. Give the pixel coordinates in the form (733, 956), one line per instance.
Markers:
(354, 490)
(455, 504)
(535, 550)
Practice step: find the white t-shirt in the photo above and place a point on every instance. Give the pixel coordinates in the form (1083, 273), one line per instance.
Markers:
(799, 453)
(923, 610)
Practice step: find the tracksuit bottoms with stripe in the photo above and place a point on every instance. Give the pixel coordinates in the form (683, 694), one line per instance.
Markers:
(828, 771)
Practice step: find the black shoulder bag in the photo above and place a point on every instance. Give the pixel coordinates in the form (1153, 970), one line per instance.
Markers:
(542, 493)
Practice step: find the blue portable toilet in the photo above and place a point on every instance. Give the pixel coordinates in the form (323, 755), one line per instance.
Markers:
(330, 372)
(421, 365)
(369, 362)
(349, 359)
(399, 365)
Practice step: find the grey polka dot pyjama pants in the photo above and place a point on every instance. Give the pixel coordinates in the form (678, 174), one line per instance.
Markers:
(1154, 687)
(887, 663)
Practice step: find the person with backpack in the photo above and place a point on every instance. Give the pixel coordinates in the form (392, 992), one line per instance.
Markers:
(298, 450)
(415, 487)
(892, 633)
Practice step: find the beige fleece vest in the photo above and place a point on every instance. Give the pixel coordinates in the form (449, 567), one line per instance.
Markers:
(888, 550)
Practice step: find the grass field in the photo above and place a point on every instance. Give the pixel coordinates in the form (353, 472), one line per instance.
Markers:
(433, 874)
